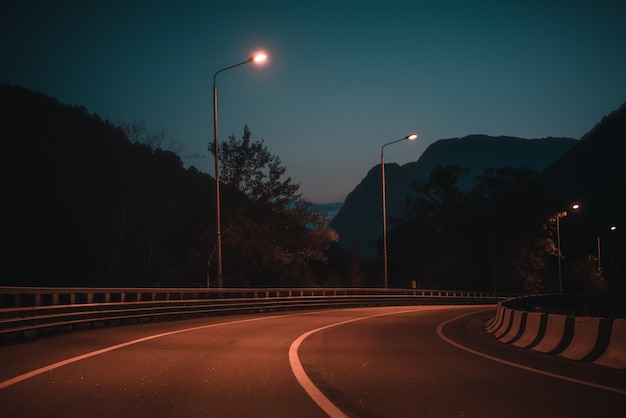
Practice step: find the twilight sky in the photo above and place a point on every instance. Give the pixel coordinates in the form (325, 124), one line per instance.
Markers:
(342, 78)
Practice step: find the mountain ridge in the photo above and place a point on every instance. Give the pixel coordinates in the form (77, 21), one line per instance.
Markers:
(359, 220)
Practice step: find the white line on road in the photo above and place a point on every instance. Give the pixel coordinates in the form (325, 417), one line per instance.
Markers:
(296, 366)
(62, 363)
(22, 377)
(519, 366)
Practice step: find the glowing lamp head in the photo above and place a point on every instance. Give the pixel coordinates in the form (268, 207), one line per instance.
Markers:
(575, 206)
(412, 137)
(258, 58)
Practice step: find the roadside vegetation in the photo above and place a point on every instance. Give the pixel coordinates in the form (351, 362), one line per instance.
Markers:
(92, 203)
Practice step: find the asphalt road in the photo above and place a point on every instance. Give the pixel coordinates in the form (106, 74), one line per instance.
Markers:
(372, 362)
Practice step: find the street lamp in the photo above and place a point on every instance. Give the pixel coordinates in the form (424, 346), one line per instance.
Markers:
(560, 215)
(611, 229)
(410, 137)
(257, 58)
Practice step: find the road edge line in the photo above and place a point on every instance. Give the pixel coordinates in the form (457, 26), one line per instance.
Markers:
(516, 365)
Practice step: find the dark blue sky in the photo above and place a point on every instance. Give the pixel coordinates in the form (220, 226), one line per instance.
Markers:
(342, 79)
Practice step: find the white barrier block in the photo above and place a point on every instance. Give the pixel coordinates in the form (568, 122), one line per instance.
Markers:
(508, 313)
(554, 333)
(615, 353)
(515, 328)
(494, 322)
(585, 337)
(531, 330)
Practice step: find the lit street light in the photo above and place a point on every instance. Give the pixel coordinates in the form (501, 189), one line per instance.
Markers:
(410, 137)
(560, 215)
(257, 58)
(611, 229)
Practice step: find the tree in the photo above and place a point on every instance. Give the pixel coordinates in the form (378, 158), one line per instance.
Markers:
(435, 241)
(509, 209)
(273, 231)
(250, 168)
(137, 133)
(492, 237)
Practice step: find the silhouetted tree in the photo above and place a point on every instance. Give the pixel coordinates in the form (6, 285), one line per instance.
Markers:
(493, 238)
(87, 206)
(433, 242)
(137, 132)
(520, 245)
(249, 167)
(273, 234)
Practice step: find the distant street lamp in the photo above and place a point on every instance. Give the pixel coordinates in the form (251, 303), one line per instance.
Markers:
(410, 137)
(257, 58)
(611, 228)
(560, 215)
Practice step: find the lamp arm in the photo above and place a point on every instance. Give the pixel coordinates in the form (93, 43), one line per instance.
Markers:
(382, 150)
(232, 66)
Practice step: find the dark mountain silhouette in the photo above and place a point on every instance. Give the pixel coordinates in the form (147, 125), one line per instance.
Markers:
(359, 221)
(594, 170)
(85, 206)
(593, 174)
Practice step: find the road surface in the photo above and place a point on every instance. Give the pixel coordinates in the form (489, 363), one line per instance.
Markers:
(421, 361)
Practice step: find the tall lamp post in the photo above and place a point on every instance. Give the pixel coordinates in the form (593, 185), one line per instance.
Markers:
(258, 58)
(560, 215)
(410, 137)
(611, 229)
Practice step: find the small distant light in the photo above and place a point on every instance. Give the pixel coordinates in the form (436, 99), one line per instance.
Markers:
(613, 228)
(575, 206)
(412, 137)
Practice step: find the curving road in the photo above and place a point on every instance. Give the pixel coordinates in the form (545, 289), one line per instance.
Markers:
(422, 361)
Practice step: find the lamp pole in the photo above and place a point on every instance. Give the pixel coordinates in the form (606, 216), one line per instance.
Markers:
(560, 215)
(260, 57)
(611, 229)
(410, 137)
(558, 245)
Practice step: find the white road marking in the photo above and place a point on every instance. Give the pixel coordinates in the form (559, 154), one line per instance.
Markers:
(519, 366)
(296, 366)
(318, 397)
(62, 363)
(20, 378)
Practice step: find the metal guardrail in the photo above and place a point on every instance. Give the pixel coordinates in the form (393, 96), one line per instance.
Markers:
(44, 296)
(36, 311)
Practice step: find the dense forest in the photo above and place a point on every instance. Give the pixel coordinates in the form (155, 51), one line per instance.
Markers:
(475, 153)
(89, 203)
(504, 233)
(87, 206)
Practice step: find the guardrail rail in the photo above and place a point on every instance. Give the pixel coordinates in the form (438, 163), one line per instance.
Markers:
(37, 311)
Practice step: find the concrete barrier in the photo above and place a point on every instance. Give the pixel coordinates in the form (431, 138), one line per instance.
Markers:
(615, 353)
(555, 330)
(532, 331)
(507, 322)
(516, 329)
(584, 338)
(496, 321)
(598, 340)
